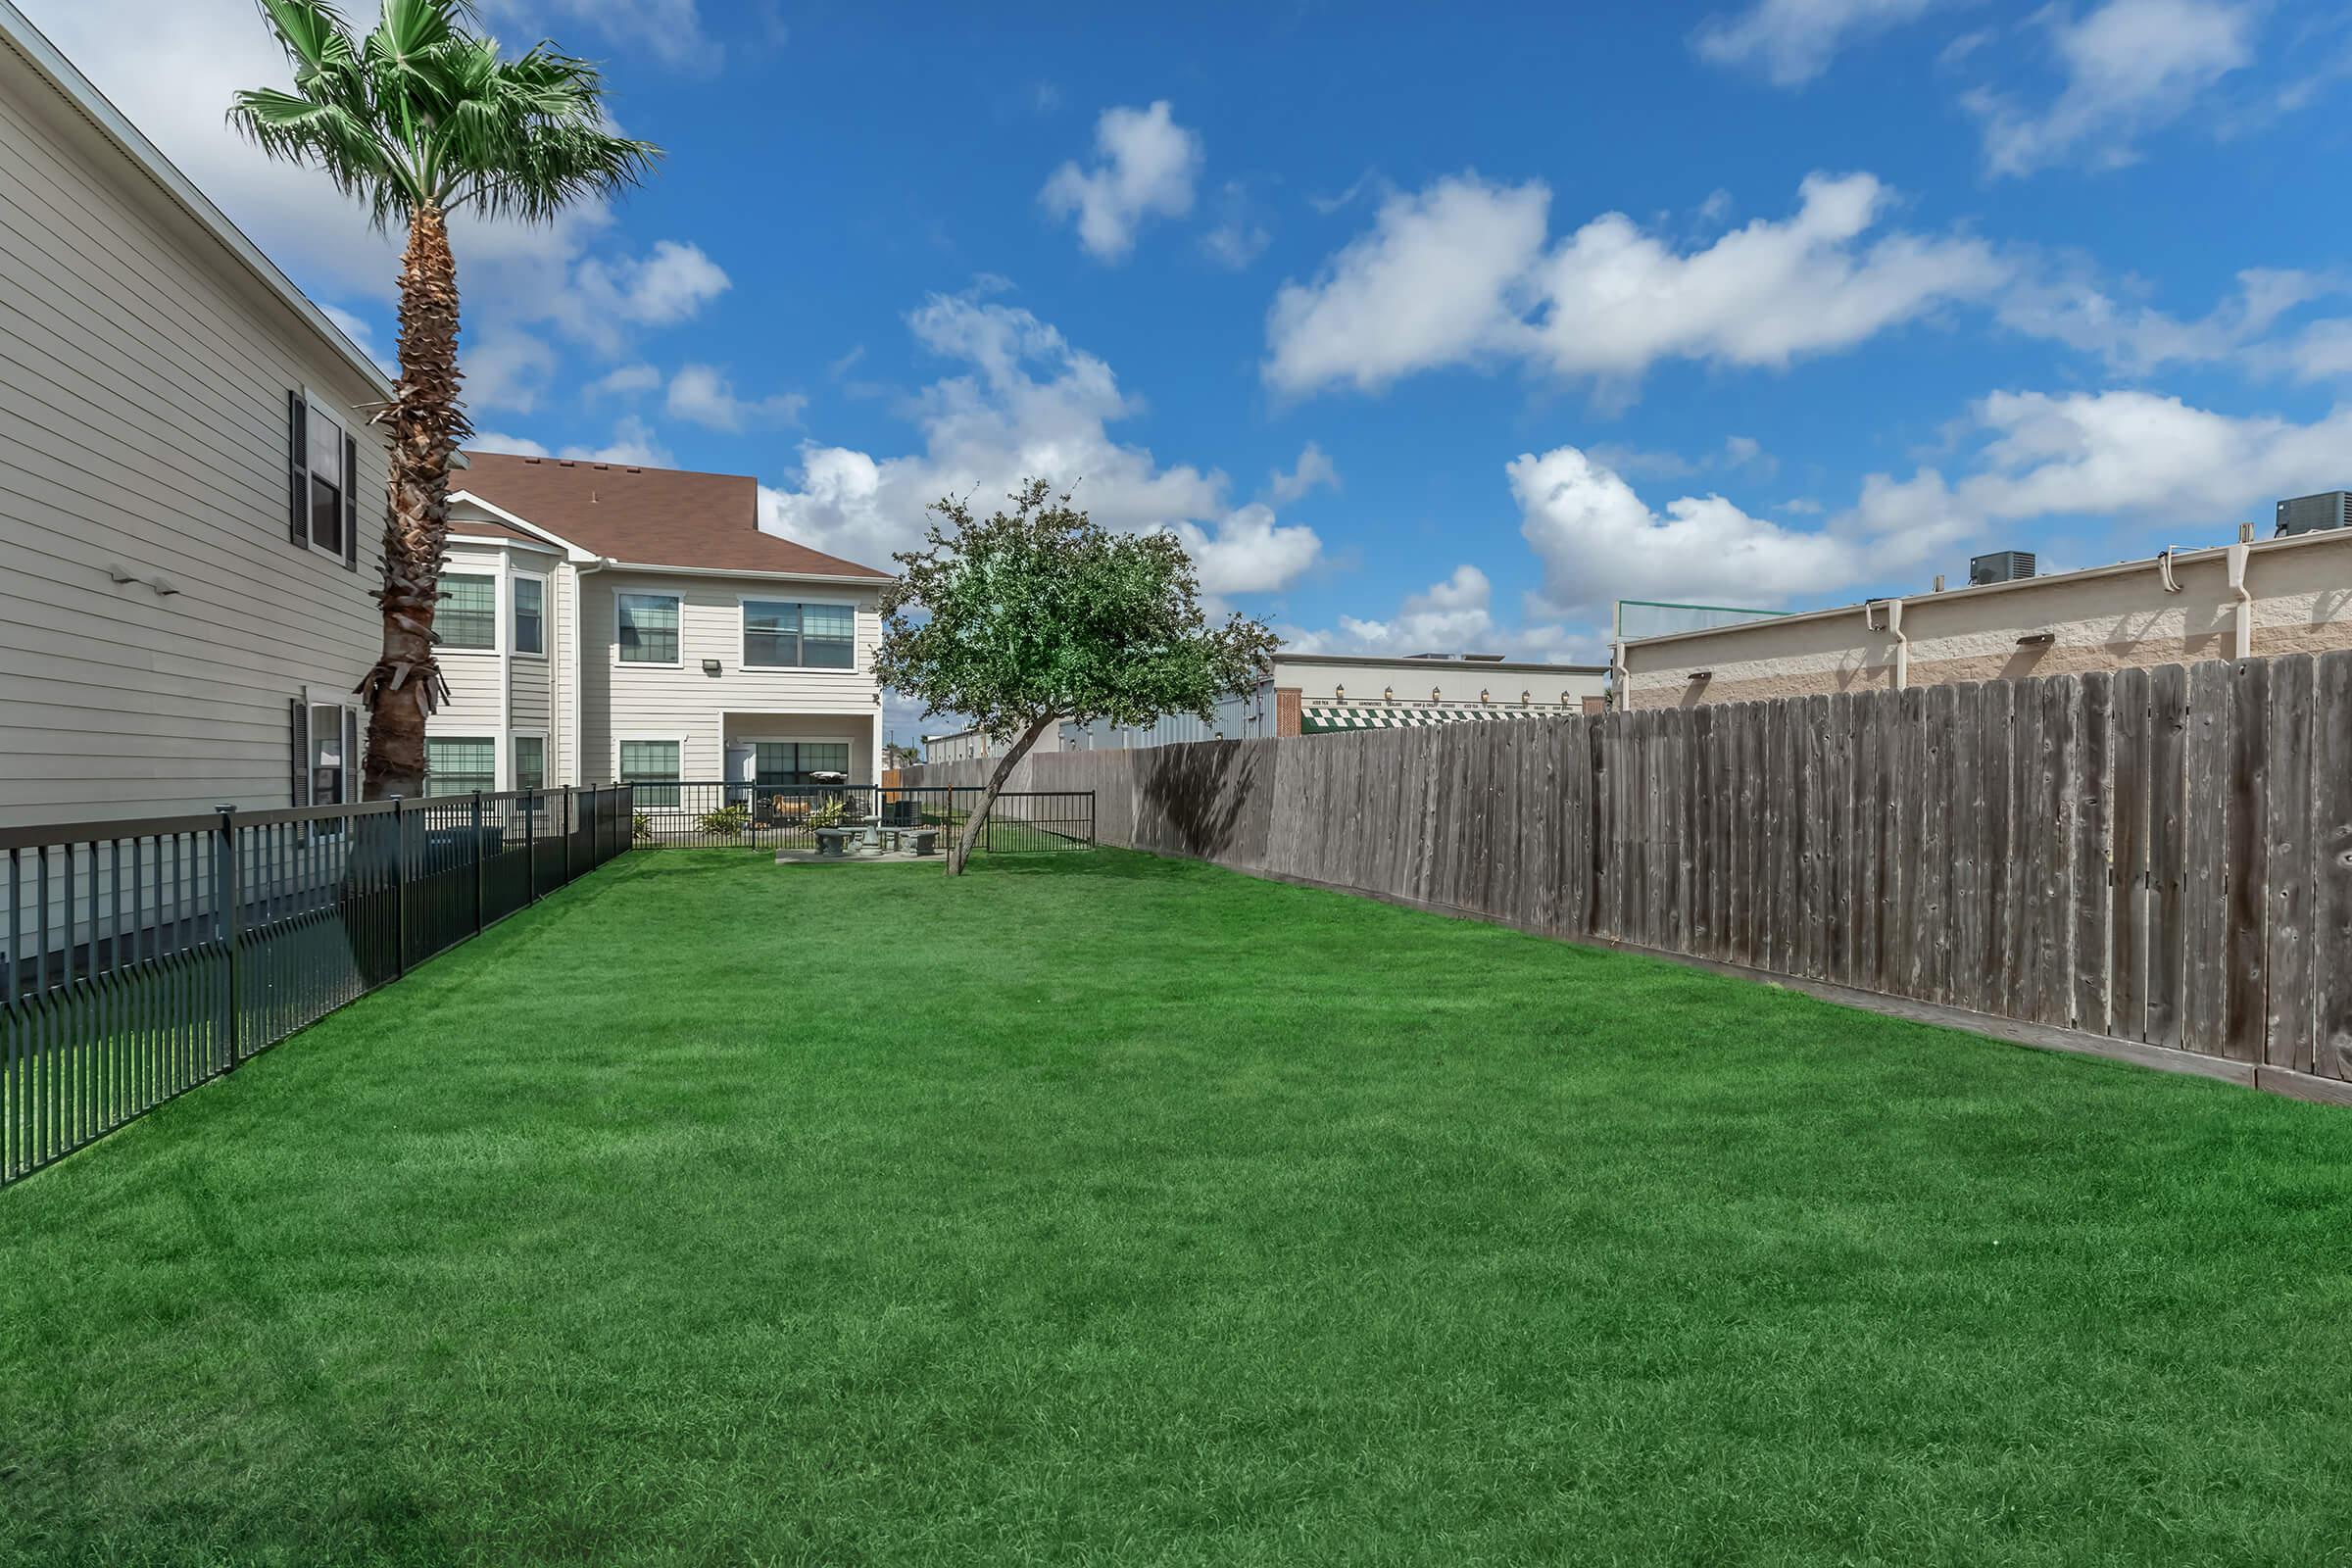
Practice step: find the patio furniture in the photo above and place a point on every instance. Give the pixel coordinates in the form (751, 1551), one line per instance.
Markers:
(836, 840)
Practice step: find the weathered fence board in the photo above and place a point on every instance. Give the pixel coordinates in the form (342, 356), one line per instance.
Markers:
(2331, 863)
(2288, 1024)
(2128, 858)
(2167, 853)
(2246, 852)
(2205, 892)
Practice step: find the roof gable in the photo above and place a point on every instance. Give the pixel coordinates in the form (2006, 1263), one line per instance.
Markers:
(648, 517)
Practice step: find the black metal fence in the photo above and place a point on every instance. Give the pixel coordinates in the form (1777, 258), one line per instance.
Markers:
(144, 958)
(705, 815)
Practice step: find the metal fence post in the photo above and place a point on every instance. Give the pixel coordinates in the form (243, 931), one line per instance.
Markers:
(477, 862)
(530, 852)
(227, 890)
(570, 821)
(399, 891)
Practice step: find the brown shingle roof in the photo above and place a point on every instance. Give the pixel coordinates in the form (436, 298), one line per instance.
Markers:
(647, 517)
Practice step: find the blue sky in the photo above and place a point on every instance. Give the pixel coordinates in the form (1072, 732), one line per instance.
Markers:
(1428, 328)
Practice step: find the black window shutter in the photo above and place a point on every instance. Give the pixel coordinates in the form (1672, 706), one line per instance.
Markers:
(302, 750)
(351, 755)
(298, 473)
(350, 504)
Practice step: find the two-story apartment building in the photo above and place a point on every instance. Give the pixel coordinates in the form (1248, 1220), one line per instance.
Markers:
(190, 490)
(602, 622)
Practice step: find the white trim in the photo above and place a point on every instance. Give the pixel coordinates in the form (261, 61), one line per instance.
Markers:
(510, 519)
(346, 513)
(338, 700)
(545, 759)
(876, 583)
(498, 541)
(497, 762)
(45, 58)
(497, 574)
(743, 634)
(681, 742)
(619, 662)
(546, 612)
(846, 742)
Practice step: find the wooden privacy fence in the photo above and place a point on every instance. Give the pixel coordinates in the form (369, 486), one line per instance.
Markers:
(2158, 855)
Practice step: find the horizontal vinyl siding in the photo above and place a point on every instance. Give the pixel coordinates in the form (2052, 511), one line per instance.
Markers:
(143, 381)
(657, 702)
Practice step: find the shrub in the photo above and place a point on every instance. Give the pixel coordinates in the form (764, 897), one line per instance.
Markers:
(727, 819)
(828, 813)
(641, 825)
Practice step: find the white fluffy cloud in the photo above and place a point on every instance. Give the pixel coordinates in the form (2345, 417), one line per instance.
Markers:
(2126, 68)
(1455, 615)
(2135, 339)
(2134, 455)
(1313, 468)
(669, 31)
(1145, 166)
(1597, 541)
(1460, 274)
(1025, 401)
(1249, 552)
(608, 296)
(624, 381)
(1432, 283)
(702, 394)
(507, 369)
(1792, 42)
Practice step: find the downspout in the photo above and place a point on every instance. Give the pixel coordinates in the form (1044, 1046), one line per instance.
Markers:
(1902, 644)
(2243, 639)
(575, 676)
(1618, 676)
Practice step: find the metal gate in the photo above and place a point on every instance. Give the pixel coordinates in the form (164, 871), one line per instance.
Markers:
(721, 814)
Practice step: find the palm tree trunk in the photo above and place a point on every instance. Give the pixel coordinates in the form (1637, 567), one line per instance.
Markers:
(428, 424)
(962, 850)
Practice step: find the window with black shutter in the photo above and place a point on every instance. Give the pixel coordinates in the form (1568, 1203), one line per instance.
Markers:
(322, 463)
(298, 467)
(300, 753)
(350, 504)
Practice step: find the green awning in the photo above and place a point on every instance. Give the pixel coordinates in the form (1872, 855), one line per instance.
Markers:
(1319, 719)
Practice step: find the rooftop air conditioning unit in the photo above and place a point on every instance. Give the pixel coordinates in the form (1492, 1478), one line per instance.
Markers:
(2315, 514)
(2003, 565)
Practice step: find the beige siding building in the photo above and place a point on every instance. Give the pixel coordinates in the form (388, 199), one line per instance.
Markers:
(602, 622)
(190, 494)
(2278, 596)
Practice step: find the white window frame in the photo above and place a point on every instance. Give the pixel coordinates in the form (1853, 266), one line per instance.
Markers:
(742, 631)
(500, 600)
(498, 760)
(641, 738)
(313, 412)
(850, 741)
(352, 783)
(547, 612)
(619, 662)
(547, 760)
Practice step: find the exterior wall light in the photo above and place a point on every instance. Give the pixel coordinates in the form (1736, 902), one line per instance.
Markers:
(2037, 639)
(1388, 694)
(711, 666)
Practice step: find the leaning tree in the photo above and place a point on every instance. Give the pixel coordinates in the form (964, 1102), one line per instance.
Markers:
(1035, 615)
(420, 121)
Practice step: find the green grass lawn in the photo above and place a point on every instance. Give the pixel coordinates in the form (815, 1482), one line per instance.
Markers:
(1102, 1210)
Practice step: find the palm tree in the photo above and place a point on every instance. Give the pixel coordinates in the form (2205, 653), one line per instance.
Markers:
(423, 119)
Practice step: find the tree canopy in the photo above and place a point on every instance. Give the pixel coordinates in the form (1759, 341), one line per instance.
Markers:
(424, 113)
(1038, 614)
